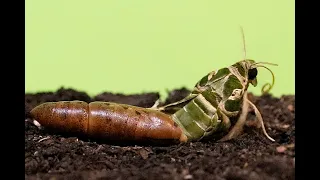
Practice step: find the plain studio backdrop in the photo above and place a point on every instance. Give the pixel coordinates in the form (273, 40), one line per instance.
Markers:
(147, 46)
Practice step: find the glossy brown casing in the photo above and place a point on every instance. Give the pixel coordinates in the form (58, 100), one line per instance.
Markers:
(107, 120)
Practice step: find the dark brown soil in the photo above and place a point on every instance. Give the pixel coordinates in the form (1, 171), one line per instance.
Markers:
(250, 156)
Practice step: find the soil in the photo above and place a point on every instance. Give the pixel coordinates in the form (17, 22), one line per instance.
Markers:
(251, 156)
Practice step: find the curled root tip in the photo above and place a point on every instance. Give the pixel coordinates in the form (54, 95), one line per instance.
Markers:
(258, 114)
(271, 139)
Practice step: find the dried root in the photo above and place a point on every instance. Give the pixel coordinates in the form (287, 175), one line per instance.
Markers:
(258, 114)
(156, 104)
(238, 127)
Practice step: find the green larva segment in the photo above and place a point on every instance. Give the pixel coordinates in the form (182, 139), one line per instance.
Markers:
(240, 69)
(189, 126)
(212, 97)
(196, 113)
(232, 105)
(231, 84)
(204, 80)
(220, 74)
(198, 102)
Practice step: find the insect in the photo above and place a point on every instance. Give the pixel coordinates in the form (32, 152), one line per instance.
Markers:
(216, 108)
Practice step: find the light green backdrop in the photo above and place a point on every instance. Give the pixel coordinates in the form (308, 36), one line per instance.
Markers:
(139, 46)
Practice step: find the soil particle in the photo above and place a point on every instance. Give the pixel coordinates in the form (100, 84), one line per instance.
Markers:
(251, 156)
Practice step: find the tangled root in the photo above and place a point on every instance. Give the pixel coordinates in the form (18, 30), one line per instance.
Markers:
(238, 127)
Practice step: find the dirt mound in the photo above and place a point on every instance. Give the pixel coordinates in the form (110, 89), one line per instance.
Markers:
(251, 156)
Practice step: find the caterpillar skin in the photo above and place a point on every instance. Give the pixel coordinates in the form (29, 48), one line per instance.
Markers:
(107, 120)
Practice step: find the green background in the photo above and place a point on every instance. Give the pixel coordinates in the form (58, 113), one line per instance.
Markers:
(153, 45)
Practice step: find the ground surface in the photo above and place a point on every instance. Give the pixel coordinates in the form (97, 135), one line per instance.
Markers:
(251, 156)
